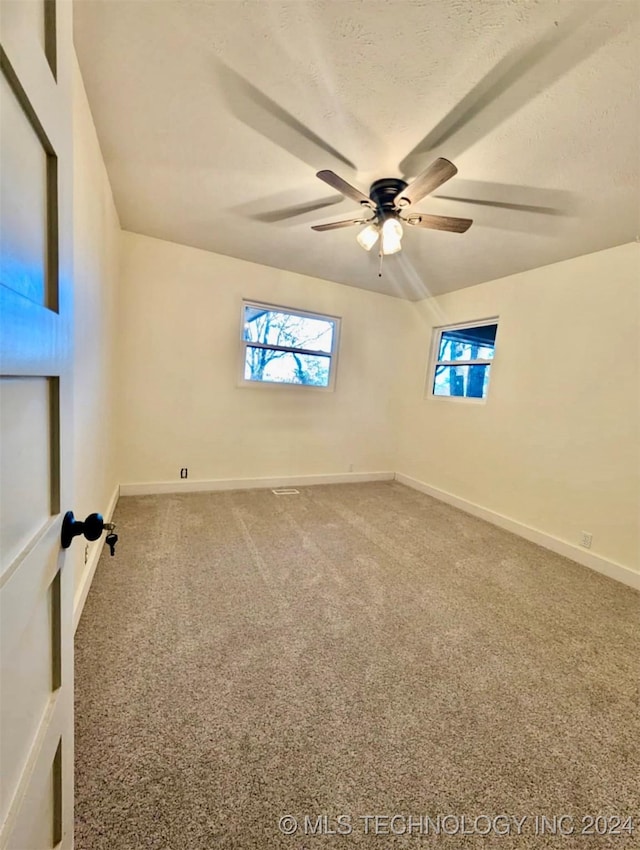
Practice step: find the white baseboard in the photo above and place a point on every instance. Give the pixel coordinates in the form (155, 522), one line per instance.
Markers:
(95, 550)
(187, 486)
(561, 547)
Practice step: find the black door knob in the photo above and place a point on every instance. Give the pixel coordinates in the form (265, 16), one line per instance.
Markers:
(92, 528)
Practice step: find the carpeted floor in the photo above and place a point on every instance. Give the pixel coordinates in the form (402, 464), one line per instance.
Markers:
(355, 650)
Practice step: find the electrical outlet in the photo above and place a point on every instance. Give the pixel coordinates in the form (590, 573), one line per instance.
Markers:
(350, 467)
(86, 553)
(184, 472)
(585, 539)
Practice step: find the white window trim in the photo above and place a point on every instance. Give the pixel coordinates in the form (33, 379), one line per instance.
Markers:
(294, 311)
(434, 362)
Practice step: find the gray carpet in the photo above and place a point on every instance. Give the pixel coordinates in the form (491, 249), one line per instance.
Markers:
(356, 650)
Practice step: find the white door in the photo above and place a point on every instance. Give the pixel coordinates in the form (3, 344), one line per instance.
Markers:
(36, 587)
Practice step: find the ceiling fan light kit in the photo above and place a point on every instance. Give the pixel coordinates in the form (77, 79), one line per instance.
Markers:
(391, 231)
(368, 236)
(391, 236)
(388, 199)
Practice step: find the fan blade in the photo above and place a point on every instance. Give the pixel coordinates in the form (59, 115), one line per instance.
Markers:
(266, 117)
(438, 173)
(521, 75)
(504, 205)
(345, 188)
(440, 222)
(334, 225)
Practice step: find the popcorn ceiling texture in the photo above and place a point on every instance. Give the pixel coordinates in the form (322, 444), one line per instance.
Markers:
(355, 649)
(213, 118)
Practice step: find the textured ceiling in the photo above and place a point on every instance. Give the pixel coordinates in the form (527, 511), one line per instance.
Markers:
(214, 115)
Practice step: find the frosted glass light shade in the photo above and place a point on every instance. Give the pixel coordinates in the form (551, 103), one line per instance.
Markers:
(391, 236)
(368, 236)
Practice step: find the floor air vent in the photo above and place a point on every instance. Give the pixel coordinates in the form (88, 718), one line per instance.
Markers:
(286, 491)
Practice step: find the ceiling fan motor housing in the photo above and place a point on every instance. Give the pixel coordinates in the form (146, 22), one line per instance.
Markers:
(383, 193)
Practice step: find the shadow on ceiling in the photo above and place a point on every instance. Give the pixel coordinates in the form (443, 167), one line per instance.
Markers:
(518, 78)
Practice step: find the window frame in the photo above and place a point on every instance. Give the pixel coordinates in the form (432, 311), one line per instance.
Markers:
(292, 311)
(434, 362)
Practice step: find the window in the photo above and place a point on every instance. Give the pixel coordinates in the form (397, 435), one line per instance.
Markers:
(282, 346)
(462, 360)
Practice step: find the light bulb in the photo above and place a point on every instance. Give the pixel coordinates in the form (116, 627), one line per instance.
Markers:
(368, 237)
(391, 236)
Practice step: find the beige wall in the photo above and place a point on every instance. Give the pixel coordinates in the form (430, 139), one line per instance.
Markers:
(179, 320)
(96, 252)
(557, 444)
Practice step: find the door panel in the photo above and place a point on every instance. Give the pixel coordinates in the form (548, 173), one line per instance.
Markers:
(25, 460)
(43, 795)
(30, 21)
(23, 201)
(27, 654)
(36, 298)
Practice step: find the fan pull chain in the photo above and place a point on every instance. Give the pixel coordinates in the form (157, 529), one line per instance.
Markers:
(381, 255)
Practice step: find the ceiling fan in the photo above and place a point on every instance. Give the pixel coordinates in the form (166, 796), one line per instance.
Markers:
(387, 202)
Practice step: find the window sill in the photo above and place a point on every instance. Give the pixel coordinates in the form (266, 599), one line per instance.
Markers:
(266, 385)
(456, 398)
